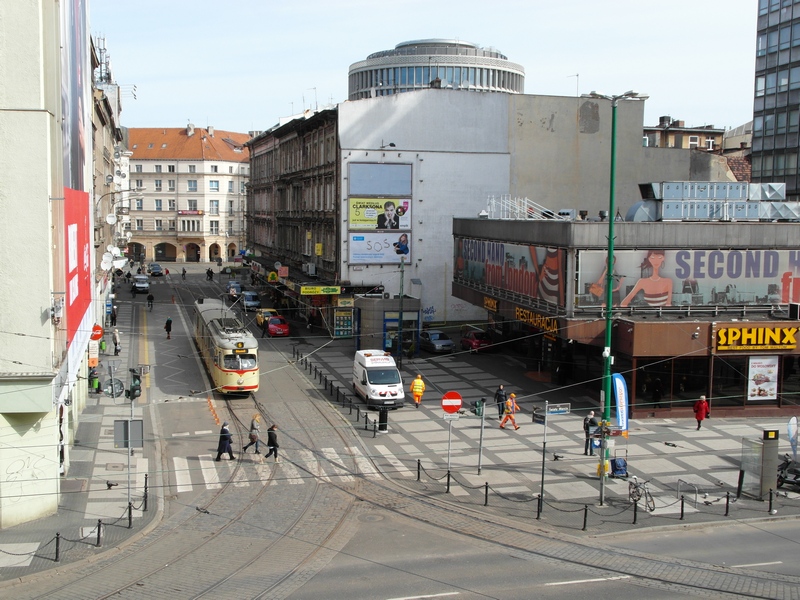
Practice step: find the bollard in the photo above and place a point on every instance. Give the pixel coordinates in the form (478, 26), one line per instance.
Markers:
(315, 371)
(486, 494)
(144, 509)
(585, 516)
(130, 515)
(539, 507)
(419, 469)
(330, 388)
(366, 421)
(375, 429)
(770, 501)
(99, 530)
(727, 503)
(681, 507)
(358, 413)
(635, 511)
(447, 491)
(325, 381)
(58, 546)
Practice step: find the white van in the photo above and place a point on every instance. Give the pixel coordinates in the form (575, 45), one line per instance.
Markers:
(377, 380)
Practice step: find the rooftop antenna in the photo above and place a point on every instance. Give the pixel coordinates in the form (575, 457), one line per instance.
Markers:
(577, 77)
(316, 106)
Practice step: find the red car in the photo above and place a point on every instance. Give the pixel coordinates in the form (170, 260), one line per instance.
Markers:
(277, 327)
(475, 341)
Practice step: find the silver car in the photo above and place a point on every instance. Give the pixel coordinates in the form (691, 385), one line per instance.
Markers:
(434, 340)
(251, 300)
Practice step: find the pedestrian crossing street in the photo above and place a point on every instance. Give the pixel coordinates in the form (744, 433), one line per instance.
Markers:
(296, 468)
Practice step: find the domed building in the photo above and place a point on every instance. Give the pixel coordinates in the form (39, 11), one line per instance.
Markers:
(422, 64)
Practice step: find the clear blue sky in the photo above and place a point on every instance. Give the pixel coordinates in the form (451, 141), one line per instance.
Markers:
(241, 65)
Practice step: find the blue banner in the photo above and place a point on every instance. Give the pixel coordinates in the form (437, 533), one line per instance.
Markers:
(619, 390)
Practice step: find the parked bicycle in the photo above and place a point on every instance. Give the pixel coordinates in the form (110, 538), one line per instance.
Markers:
(638, 491)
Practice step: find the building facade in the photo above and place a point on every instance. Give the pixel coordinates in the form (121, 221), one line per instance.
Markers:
(440, 63)
(672, 133)
(190, 200)
(776, 106)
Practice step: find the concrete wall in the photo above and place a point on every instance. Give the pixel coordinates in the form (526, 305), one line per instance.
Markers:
(458, 147)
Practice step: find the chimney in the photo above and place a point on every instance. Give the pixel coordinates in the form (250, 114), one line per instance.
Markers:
(210, 131)
(190, 129)
(664, 121)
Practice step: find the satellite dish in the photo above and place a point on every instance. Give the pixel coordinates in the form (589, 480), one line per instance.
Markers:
(110, 248)
(129, 234)
(115, 251)
(111, 219)
(120, 262)
(106, 265)
(107, 257)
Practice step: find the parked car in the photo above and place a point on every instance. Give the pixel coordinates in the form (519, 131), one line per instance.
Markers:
(434, 340)
(233, 289)
(475, 341)
(155, 270)
(251, 300)
(277, 327)
(140, 284)
(264, 313)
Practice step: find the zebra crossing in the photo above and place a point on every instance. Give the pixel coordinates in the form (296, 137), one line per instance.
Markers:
(299, 467)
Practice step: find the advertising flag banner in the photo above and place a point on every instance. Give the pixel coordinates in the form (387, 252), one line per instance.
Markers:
(620, 392)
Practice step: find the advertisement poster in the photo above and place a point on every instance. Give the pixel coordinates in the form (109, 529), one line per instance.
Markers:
(532, 271)
(379, 248)
(656, 277)
(619, 389)
(762, 378)
(379, 213)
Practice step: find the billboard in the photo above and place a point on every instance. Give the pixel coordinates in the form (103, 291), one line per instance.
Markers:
(378, 213)
(762, 378)
(533, 271)
(379, 248)
(77, 260)
(657, 277)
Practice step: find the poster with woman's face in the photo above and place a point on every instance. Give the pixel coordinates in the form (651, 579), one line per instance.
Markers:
(379, 248)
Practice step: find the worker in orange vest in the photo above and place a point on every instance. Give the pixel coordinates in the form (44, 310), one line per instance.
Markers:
(508, 413)
(417, 389)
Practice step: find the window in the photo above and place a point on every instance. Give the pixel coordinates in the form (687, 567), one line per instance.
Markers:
(794, 121)
(190, 225)
(214, 169)
(230, 206)
(192, 169)
(784, 37)
(241, 187)
(213, 207)
(171, 185)
(191, 185)
(769, 124)
(709, 145)
(138, 168)
(694, 141)
(139, 224)
(159, 225)
(171, 224)
(772, 41)
(140, 183)
(158, 204)
(230, 169)
(230, 227)
(778, 166)
(139, 204)
(158, 185)
(192, 204)
(171, 168)
(171, 204)
(214, 227)
(780, 123)
(760, 85)
(158, 168)
(127, 226)
(772, 82)
(783, 80)
(213, 185)
(230, 187)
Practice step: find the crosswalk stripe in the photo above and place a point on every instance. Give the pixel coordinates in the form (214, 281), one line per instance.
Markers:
(183, 479)
(399, 467)
(290, 473)
(312, 464)
(209, 471)
(365, 465)
(335, 464)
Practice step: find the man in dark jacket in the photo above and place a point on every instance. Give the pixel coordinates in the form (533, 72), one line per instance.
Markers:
(500, 399)
(589, 425)
(272, 442)
(224, 445)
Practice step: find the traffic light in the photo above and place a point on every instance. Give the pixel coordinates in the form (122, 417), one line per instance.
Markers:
(135, 389)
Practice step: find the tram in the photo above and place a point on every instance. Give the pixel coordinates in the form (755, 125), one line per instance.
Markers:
(228, 349)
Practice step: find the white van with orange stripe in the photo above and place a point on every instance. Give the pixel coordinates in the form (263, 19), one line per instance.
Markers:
(377, 379)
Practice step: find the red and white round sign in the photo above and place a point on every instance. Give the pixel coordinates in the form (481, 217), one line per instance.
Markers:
(451, 402)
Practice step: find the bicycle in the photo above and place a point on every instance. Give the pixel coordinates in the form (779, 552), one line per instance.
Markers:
(637, 491)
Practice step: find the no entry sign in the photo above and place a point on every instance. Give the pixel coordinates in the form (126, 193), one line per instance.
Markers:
(451, 402)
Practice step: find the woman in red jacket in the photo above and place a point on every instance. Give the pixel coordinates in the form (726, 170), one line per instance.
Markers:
(701, 411)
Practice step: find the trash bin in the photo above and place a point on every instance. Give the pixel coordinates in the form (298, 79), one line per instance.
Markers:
(102, 345)
(478, 407)
(383, 419)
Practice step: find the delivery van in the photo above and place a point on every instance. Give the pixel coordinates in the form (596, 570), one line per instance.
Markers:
(377, 380)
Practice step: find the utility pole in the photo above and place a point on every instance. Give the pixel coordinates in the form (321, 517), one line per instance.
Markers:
(400, 315)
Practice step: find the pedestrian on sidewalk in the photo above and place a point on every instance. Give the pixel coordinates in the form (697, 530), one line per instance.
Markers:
(116, 341)
(114, 316)
(255, 424)
(272, 442)
(589, 425)
(224, 445)
(500, 400)
(417, 389)
(511, 408)
(701, 411)
(168, 327)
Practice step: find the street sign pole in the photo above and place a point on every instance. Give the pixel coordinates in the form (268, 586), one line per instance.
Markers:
(544, 450)
(480, 441)
(451, 403)
(449, 437)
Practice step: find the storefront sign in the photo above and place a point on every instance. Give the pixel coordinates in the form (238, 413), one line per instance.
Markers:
(272, 277)
(762, 378)
(490, 304)
(534, 319)
(319, 290)
(757, 338)
(346, 302)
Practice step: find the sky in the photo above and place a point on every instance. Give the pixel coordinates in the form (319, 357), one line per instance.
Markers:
(242, 65)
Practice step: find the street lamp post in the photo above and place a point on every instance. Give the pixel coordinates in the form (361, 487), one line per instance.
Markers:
(608, 359)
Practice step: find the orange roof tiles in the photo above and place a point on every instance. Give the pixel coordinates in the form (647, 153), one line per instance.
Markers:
(159, 143)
